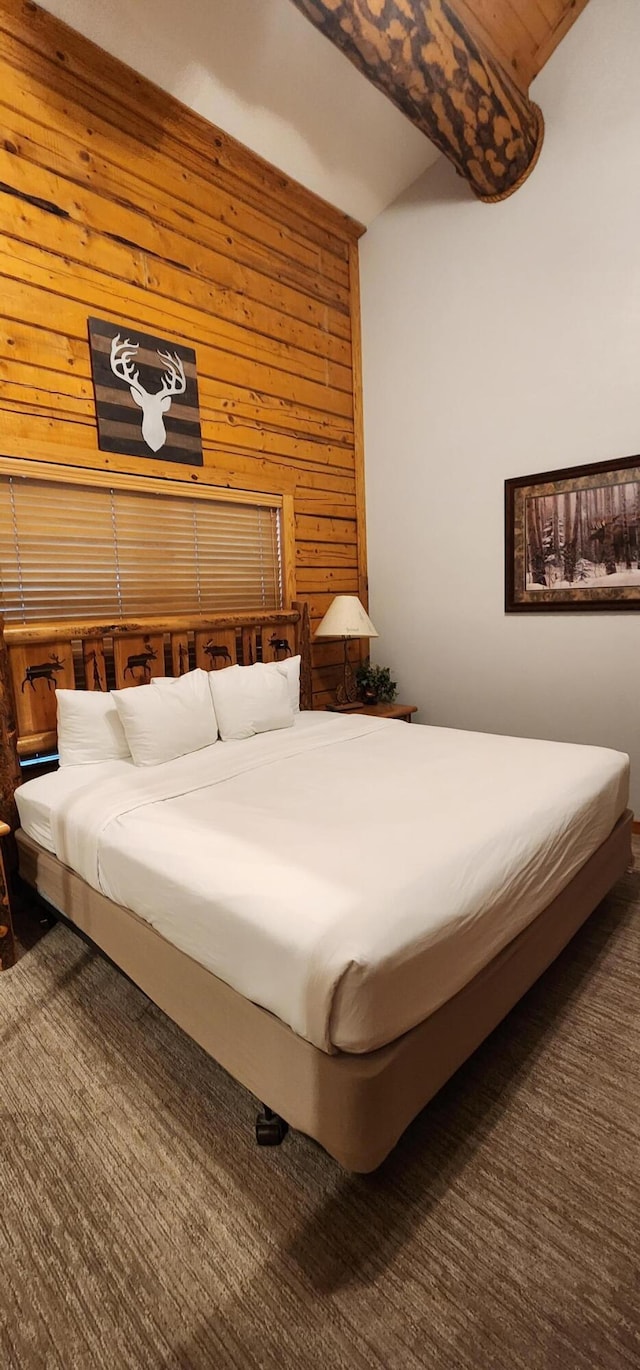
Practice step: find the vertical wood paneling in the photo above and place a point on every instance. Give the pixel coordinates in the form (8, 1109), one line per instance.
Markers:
(117, 201)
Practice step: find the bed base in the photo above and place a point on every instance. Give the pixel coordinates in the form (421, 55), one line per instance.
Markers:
(355, 1106)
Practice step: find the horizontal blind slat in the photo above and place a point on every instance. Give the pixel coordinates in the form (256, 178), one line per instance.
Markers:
(68, 550)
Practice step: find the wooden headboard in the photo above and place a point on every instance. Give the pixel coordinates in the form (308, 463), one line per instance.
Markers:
(35, 658)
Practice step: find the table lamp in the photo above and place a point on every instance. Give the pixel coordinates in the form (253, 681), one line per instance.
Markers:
(347, 619)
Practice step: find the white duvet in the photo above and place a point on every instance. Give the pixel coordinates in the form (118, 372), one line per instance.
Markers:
(350, 874)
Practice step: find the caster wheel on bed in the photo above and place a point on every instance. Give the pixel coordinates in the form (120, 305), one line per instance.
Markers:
(271, 1129)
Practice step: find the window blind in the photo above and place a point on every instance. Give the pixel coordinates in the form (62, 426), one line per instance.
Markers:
(76, 551)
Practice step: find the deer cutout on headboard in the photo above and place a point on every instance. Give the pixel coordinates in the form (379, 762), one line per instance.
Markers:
(43, 670)
(279, 644)
(216, 652)
(141, 660)
(153, 406)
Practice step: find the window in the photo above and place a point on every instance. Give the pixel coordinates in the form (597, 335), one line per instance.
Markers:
(124, 550)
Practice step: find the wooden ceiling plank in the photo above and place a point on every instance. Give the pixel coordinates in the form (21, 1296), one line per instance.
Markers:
(502, 33)
(552, 10)
(568, 12)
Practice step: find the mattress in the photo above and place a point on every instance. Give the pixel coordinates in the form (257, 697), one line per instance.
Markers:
(39, 798)
(349, 874)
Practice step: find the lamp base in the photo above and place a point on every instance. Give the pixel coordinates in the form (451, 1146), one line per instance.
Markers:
(347, 691)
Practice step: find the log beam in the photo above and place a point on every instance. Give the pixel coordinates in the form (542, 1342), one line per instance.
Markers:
(303, 647)
(7, 938)
(9, 760)
(9, 781)
(423, 56)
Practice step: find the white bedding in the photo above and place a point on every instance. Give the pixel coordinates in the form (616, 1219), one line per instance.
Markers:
(38, 799)
(350, 874)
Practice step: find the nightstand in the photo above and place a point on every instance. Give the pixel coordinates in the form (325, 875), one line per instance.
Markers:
(401, 711)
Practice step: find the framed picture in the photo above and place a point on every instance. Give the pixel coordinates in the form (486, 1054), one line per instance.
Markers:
(573, 538)
(146, 392)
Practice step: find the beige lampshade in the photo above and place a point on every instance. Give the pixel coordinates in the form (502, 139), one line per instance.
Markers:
(346, 618)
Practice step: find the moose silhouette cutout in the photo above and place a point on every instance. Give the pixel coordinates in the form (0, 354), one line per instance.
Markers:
(280, 644)
(142, 660)
(183, 659)
(156, 404)
(43, 670)
(217, 653)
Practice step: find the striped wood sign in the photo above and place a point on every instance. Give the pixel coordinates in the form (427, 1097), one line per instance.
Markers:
(146, 392)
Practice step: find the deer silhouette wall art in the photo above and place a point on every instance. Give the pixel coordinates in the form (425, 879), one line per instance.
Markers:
(154, 405)
(146, 394)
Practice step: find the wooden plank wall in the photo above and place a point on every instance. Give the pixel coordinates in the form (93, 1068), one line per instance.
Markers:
(117, 201)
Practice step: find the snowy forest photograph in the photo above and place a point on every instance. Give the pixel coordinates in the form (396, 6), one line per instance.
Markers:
(576, 545)
(586, 537)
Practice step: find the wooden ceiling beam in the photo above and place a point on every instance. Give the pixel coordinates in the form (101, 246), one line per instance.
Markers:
(459, 70)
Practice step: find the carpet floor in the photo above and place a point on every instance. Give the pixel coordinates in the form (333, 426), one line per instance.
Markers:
(141, 1227)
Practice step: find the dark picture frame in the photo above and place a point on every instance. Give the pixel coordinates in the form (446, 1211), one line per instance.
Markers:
(572, 539)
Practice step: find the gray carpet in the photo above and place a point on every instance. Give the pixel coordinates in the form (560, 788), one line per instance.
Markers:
(140, 1226)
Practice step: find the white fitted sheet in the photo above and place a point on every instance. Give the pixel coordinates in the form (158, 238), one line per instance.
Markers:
(39, 798)
(350, 874)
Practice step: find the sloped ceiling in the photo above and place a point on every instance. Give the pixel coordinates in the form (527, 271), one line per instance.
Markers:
(260, 71)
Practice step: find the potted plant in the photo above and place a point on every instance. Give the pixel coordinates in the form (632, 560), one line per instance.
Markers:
(375, 685)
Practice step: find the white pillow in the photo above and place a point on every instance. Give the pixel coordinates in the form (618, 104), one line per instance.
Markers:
(89, 728)
(249, 700)
(169, 722)
(290, 669)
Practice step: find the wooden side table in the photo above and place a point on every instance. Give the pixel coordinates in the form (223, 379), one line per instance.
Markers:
(401, 711)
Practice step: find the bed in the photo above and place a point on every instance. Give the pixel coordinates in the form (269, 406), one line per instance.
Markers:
(338, 912)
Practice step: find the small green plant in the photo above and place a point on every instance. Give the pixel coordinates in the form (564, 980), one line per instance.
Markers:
(375, 684)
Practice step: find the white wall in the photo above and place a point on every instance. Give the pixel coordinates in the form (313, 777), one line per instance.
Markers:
(501, 340)
(259, 70)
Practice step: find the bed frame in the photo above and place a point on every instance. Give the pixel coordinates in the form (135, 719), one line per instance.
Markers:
(356, 1106)
(36, 658)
